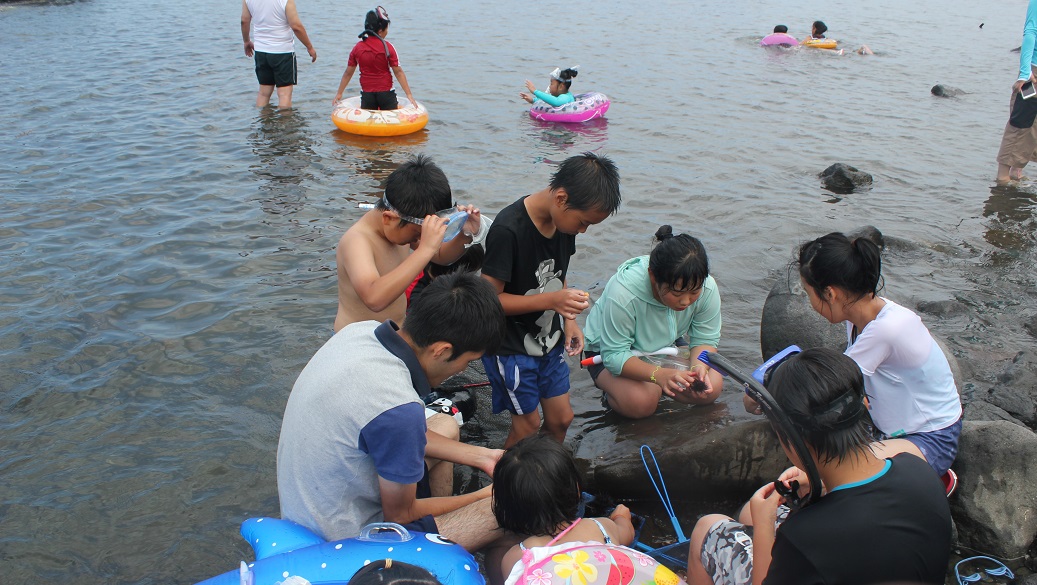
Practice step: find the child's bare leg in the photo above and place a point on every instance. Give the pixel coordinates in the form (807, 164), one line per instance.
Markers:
(1016, 173)
(697, 574)
(441, 473)
(630, 398)
(1003, 173)
(558, 415)
(522, 426)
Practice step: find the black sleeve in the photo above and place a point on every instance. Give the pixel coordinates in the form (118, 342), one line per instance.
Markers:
(499, 261)
(789, 566)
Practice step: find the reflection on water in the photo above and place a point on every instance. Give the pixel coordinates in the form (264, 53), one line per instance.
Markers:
(375, 157)
(283, 144)
(591, 135)
(1012, 222)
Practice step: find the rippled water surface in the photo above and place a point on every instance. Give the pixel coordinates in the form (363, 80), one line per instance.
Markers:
(167, 250)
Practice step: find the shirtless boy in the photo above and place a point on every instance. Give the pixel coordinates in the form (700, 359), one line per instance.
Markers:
(382, 253)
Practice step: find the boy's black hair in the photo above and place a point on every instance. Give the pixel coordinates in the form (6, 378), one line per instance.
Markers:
(590, 181)
(835, 260)
(820, 27)
(461, 309)
(781, 28)
(390, 572)
(822, 392)
(417, 188)
(536, 487)
(678, 262)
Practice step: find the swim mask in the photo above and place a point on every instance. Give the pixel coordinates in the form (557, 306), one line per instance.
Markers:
(557, 74)
(455, 219)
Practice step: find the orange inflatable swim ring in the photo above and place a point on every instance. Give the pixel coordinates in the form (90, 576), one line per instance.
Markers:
(348, 116)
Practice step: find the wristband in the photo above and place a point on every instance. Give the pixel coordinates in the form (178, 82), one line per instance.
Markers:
(652, 377)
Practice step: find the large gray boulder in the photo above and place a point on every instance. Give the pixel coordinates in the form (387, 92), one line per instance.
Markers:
(995, 507)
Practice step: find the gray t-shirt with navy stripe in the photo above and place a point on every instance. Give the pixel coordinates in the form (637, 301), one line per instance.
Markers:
(353, 415)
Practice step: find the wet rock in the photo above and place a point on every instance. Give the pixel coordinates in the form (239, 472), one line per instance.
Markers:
(980, 410)
(1016, 388)
(940, 90)
(788, 319)
(698, 458)
(1030, 325)
(996, 506)
(943, 309)
(842, 178)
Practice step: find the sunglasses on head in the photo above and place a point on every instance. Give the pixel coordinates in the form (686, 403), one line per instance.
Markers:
(382, 14)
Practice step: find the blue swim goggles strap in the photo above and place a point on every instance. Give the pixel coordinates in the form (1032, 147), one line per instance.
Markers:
(999, 571)
(663, 494)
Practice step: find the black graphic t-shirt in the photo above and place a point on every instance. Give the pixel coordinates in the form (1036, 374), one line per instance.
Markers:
(528, 263)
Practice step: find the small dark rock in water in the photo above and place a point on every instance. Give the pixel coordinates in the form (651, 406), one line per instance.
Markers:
(698, 386)
(842, 178)
(1017, 50)
(940, 90)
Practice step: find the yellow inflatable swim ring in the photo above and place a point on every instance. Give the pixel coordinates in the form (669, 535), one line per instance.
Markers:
(820, 43)
(349, 117)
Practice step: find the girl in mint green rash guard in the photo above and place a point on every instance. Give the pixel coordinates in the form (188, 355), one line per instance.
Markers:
(559, 94)
(647, 305)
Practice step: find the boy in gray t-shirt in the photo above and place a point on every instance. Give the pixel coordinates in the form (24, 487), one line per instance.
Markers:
(353, 438)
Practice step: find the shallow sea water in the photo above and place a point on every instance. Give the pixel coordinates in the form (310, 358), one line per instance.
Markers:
(167, 250)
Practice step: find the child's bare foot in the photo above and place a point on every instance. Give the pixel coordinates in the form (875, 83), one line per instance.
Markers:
(1016, 174)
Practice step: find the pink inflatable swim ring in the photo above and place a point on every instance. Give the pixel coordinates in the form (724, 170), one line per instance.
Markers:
(587, 106)
(779, 39)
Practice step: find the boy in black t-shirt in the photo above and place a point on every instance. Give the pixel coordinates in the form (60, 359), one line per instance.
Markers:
(527, 258)
(880, 520)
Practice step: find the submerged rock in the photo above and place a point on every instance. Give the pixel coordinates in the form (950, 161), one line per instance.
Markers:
(995, 507)
(946, 308)
(940, 90)
(842, 178)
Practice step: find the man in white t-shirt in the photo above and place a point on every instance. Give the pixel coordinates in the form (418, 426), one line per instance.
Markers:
(269, 29)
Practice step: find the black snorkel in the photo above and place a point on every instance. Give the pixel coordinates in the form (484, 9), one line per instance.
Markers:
(781, 424)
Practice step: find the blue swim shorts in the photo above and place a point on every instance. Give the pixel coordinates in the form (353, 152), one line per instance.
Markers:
(940, 448)
(520, 382)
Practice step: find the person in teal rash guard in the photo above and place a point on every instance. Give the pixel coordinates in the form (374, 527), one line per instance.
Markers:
(1020, 137)
(558, 93)
(650, 303)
